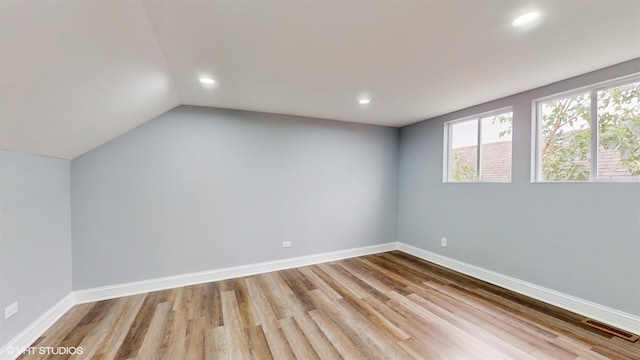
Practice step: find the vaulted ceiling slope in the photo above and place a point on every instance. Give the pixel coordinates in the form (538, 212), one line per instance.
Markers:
(75, 74)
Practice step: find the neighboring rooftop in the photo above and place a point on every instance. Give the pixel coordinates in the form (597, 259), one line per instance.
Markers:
(497, 158)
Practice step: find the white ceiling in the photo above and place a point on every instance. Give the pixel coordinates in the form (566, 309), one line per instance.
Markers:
(75, 74)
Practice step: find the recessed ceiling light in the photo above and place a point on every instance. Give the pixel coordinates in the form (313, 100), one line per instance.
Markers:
(207, 81)
(364, 101)
(526, 18)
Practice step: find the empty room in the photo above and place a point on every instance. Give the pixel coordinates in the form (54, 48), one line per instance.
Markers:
(307, 179)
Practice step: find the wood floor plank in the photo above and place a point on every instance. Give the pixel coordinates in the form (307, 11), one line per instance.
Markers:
(335, 314)
(484, 331)
(318, 283)
(107, 331)
(343, 343)
(417, 351)
(475, 305)
(265, 315)
(139, 327)
(563, 325)
(467, 346)
(258, 343)
(217, 344)
(278, 343)
(299, 286)
(213, 305)
(151, 345)
(276, 293)
(464, 316)
(383, 306)
(109, 347)
(173, 338)
(245, 311)
(343, 286)
(377, 335)
(65, 325)
(300, 345)
(379, 320)
(234, 331)
(321, 344)
(381, 283)
(194, 339)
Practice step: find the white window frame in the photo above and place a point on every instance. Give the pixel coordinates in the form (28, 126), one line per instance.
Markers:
(446, 159)
(536, 138)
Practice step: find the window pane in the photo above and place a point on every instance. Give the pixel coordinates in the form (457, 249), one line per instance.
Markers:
(463, 154)
(565, 146)
(619, 132)
(495, 152)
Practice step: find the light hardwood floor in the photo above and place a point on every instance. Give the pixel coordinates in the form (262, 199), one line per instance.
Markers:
(389, 305)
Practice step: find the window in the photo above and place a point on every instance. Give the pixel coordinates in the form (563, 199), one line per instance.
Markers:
(465, 161)
(596, 128)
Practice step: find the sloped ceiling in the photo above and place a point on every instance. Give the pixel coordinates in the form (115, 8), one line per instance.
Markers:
(75, 74)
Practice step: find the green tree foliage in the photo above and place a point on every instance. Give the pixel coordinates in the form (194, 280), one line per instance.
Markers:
(504, 119)
(566, 138)
(566, 132)
(619, 124)
(462, 172)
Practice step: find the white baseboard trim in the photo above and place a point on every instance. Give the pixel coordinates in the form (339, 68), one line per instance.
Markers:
(586, 308)
(589, 309)
(29, 335)
(139, 287)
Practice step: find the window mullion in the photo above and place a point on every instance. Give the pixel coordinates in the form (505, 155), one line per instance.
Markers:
(449, 150)
(538, 142)
(479, 154)
(594, 135)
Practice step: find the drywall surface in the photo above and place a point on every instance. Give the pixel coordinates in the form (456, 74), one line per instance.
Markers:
(582, 239)
(35, 237)
(199, 189)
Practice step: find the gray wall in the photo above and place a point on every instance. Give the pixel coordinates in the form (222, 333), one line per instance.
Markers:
(35, 237)
(198, 189)
(581, 239)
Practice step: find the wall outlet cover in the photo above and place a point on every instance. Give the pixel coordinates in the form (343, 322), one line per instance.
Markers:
(10, 310)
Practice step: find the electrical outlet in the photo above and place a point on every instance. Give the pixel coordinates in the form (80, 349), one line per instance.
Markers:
(10, 310)
(443, 242)
(286, 244)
